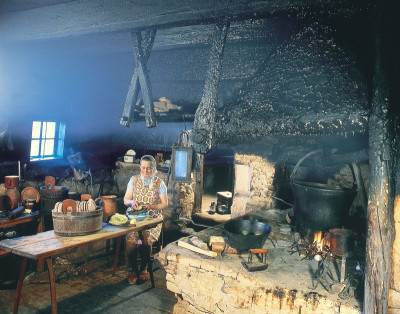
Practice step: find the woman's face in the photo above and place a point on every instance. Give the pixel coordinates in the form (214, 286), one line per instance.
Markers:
(145, 169)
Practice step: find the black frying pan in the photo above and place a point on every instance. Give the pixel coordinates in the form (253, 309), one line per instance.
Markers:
(246, 234)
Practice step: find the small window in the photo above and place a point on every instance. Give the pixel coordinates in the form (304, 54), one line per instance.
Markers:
(47, 140)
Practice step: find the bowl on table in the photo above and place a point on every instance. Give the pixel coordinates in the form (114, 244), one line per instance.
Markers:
(137, 214)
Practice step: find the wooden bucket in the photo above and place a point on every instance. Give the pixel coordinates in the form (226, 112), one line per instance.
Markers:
(74, 223)
(11, 182)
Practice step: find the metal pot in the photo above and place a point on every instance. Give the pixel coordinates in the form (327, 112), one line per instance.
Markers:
(246, 234)
(320, 206)
(341, 241)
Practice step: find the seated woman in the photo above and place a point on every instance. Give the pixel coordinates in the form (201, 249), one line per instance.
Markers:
(148, 190)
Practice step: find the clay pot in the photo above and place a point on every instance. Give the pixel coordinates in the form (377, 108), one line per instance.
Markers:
(11, 182)
(109, 204)
(13, 195)
(85, 197)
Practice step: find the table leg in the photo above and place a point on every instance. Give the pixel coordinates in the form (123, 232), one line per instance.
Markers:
(116, 255)
(39, 266)
(19, 286)
(52, 285)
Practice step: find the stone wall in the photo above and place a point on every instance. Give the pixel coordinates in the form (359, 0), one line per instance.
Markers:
(261, 180)
(394, 291)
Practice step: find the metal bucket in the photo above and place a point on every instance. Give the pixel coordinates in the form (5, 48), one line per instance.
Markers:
(78, 223)
(48, 198)
(320, 206)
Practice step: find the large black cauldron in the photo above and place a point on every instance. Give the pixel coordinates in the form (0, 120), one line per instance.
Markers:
(320, 206)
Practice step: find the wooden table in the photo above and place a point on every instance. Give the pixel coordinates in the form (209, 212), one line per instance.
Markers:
(47, 245)
(26, 218)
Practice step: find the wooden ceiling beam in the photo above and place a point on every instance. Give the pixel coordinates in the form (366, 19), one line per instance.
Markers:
(82, 17)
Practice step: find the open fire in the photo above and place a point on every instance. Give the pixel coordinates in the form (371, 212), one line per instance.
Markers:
(321, 241)
(318, 249)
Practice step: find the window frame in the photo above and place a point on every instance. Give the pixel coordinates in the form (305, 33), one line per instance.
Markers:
(58, 141)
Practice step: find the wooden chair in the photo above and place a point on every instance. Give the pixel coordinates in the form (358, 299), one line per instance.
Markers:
(154, 249)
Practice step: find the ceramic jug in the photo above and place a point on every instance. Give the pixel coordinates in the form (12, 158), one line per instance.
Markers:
(109, 204)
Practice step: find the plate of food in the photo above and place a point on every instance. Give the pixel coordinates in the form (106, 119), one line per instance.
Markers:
(118, 220)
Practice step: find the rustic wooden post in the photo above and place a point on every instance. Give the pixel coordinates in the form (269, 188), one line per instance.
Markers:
(204, 120)
(361, 187)
(140, 79)
(380, 198)
(198, 172)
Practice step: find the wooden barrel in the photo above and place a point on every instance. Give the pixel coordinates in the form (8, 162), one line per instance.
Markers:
(78, 223)
(49, 198)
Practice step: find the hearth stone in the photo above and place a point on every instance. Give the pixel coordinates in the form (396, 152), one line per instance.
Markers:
(222, 284)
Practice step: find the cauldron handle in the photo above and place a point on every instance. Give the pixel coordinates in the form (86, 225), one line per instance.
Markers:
(301, 160)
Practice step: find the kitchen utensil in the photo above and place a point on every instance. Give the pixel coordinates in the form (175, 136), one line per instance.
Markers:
(139, 215)
(246, 234)
(341, 241)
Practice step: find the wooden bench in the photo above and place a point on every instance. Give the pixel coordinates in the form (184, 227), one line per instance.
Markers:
(47, 245)
(26, 218)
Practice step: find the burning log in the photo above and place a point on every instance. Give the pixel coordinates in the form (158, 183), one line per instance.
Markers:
(318, 249)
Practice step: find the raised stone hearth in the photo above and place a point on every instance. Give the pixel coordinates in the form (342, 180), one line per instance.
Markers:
(204, 284)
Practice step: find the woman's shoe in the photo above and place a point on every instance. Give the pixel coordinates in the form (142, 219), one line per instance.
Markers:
(144, 276)
(132, 279)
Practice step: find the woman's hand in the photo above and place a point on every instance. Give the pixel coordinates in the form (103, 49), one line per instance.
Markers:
(134, 205)
(131, 203)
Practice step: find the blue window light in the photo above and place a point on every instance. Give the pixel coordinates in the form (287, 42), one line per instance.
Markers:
(47, 140)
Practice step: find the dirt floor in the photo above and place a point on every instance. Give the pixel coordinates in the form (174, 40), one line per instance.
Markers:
(97, 292)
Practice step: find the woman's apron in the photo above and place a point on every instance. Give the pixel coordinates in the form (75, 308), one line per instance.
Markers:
(144, 195)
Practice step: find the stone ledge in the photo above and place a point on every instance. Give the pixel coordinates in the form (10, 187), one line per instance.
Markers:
(222, 284)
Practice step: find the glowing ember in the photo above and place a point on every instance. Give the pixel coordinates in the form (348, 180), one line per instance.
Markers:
(321, 242)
